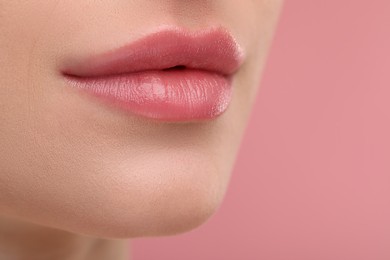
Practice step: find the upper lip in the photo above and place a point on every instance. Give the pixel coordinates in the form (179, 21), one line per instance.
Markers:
(213, 50)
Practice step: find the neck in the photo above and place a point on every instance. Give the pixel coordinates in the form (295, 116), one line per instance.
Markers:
(21, 241)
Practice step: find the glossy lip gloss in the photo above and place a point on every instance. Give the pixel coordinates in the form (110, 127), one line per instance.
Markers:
(169, 75)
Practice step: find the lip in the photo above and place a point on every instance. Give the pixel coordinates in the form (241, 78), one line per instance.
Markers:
(170, 75)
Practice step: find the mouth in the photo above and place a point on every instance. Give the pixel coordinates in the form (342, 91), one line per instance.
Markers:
(169, 75)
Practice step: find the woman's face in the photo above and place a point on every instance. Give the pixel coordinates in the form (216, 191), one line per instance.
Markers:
(74, 162)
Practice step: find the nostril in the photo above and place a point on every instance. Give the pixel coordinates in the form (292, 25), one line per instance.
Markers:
(178, 67)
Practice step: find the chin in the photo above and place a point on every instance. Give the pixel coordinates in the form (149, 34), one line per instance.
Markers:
(167, 197)
(165, 215)
(163, 211)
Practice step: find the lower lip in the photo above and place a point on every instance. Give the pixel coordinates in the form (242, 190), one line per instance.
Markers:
(167, 95)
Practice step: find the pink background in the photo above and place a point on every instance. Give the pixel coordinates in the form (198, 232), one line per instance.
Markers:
(312, 181)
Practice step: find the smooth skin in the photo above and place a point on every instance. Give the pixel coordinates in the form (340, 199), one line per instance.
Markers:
(78, 178)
